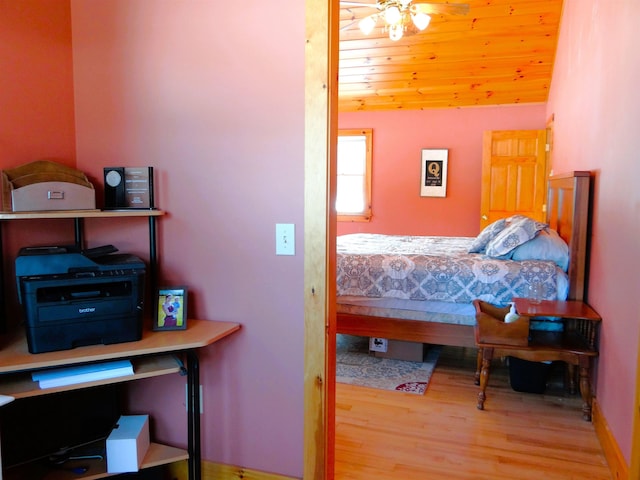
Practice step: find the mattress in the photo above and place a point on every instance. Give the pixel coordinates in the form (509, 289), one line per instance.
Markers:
(424, 311)
(437, 269)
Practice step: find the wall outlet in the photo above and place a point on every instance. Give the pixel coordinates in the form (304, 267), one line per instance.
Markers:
(378, 344)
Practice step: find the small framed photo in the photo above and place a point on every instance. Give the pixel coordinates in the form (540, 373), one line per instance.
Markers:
(434, 172)
(171, 309)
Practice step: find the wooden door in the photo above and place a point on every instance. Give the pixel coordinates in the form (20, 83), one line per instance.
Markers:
(513, 175)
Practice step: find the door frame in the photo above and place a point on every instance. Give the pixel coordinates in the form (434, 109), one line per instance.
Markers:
(321, 86)
(321, 120)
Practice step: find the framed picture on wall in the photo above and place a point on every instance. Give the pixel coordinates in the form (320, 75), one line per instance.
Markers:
(433, 182)
(171, 309)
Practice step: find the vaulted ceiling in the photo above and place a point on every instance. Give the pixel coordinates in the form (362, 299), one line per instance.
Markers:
(500, 52)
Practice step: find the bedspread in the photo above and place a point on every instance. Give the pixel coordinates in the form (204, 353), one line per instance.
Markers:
(437, 268)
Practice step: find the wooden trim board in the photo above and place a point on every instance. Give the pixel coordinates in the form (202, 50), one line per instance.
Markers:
(615, 459)
(220, 471)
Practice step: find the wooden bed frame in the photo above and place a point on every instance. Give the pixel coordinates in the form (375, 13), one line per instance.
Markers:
(567, 212)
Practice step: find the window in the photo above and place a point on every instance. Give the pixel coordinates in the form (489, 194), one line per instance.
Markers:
(353, 197)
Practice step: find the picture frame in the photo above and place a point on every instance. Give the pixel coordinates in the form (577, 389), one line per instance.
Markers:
(170, 309)
(433, 182)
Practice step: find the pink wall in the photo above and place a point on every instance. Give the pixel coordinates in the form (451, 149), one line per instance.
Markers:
(184, 87)
(37, 117)
(398, 139)
(595, 99)
(36, 84)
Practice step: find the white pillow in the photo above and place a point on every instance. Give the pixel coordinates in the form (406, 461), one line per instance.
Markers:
(520, 229)
(547, 245)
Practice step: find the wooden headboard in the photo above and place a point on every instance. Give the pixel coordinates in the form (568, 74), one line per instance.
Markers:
(568, 213)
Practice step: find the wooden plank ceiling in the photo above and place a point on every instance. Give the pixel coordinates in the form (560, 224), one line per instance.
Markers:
(500, 52)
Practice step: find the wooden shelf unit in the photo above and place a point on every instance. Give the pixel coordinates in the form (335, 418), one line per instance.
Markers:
(154, 355)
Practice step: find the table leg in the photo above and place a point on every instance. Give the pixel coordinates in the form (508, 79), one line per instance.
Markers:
(476, 377)
(571, 374)
(487, 356)
(193, 414)
(585, 388)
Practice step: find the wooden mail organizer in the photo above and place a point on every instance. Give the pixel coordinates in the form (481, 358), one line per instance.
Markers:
(576, 344)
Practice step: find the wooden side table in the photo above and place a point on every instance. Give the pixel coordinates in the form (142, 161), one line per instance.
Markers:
(576, 345)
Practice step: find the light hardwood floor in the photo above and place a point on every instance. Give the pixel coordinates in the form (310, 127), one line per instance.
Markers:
(441, 435)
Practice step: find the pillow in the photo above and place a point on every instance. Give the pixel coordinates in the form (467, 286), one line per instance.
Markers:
(548, 245)
(486, 235)
(519, 229)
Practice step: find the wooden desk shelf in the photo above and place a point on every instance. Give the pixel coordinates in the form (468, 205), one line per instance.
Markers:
(156, 455)
(156, 354)
(20, 385)
(79, 214)
(153, 355)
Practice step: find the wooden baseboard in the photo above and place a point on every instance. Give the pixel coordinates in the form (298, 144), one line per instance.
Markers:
(219, 471)
(612, 453)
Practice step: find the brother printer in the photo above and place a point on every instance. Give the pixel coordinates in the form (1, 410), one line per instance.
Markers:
(72, 298)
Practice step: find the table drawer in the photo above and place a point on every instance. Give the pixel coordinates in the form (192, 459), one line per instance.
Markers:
(492, 329)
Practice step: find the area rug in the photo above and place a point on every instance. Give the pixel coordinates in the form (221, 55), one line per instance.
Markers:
(355, 366)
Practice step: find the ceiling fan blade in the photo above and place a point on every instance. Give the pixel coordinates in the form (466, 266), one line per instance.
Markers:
(348, 25)
(354, 20)
(349, 3)
(433, 8)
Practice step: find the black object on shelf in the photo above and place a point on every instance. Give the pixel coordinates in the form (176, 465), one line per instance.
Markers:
(43, 426)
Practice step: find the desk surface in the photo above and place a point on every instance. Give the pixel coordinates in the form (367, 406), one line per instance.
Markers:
(15, 356)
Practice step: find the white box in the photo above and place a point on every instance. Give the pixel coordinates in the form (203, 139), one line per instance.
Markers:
(127, 444)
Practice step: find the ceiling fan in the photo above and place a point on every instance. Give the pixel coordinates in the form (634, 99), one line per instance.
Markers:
(400, 15)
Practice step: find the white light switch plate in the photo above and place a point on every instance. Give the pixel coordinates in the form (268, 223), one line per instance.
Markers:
(285, 239)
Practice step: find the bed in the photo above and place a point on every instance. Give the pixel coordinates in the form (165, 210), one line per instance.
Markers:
(421, 289)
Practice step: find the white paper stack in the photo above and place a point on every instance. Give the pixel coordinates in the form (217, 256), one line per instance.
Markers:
(61, 377)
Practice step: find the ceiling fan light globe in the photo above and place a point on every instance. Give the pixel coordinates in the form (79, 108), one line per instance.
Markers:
(367, 24)
(392, 15)
(420, 20)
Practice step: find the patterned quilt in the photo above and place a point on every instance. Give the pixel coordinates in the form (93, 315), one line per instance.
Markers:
(437, 268)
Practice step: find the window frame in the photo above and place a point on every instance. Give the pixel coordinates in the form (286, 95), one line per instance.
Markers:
(366, 214)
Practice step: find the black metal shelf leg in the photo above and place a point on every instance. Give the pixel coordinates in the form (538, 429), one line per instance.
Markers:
(78, 224)
(193, 414)
(3, 305)
(153, 254)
